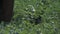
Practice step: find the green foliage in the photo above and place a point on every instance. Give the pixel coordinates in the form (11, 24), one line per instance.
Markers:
(24, 10)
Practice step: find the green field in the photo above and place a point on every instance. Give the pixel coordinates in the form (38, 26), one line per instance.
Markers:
(24, 10)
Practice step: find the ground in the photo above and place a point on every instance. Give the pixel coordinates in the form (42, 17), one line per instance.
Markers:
(49, 10)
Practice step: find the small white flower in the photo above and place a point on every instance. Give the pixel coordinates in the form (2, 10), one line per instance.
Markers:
(33, 9)
(52, 22)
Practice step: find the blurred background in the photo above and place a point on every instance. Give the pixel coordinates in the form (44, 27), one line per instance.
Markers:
(34, 17)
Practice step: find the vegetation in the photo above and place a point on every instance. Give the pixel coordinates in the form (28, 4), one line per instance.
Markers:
(25, 10)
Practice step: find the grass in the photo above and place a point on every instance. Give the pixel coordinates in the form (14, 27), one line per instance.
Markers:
(49, 10)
